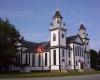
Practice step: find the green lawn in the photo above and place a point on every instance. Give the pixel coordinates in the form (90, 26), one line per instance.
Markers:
(45, 74)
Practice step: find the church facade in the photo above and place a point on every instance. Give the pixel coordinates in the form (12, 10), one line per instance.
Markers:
(60, 53)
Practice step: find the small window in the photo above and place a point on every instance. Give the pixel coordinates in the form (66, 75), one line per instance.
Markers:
(62, 35)
(54, 37)
(88, 57)
(58, 21)
(87, 43)
(83, 32)
(63, 60)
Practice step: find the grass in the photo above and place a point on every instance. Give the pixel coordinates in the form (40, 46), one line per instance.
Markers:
(44, 74)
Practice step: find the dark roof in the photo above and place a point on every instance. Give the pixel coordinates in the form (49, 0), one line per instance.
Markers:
(82, 27)
(57, 15)
(72, 39)
(31, 46)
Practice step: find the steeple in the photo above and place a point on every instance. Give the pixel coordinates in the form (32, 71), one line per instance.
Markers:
(82, 32)
(57, 14)
(82, 27)
(57, 21)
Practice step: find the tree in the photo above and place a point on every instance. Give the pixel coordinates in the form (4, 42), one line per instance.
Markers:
(8, 37)
(98, 58)
(93, 57)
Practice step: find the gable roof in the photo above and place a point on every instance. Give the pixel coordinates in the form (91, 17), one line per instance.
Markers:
(31, 46)
(73, 38)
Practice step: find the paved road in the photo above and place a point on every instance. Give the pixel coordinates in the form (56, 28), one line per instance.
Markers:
(82, 77)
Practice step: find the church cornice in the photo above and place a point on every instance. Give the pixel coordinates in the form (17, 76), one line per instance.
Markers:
(55, 28)
(63, 47)
(86, 38)
(75, 43)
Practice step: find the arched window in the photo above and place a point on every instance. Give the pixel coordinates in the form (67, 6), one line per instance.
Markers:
(54, 37)
(63, 54)
(33, 60)
(54, 57)
(69, 62)
(39, 60)
(45, 59)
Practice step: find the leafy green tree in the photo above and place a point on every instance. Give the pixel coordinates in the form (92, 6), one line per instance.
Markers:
(98, 58)
(8, 38)
(93, 57)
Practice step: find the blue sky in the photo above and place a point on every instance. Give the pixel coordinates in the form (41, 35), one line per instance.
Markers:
(33, 17)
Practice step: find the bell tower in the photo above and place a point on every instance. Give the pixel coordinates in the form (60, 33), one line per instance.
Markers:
(57, 40)
(83, 34)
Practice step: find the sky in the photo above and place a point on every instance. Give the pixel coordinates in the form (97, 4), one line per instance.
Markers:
(32, 18)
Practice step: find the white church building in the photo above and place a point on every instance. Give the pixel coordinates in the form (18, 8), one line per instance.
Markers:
(60, 53)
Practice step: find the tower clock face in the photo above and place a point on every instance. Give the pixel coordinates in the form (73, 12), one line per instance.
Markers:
(39, 49)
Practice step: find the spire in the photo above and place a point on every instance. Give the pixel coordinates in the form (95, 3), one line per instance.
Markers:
(57, 14)
(82, 27)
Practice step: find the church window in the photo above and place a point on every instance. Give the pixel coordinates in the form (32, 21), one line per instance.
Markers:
(87, 43)
(63, 54)
(39, 60)
(69, 62)
(80, 52)
(54, 37)
(76, 51)
(33, 60)
(26, 59)
(54, 57)
(88, 57)
(76, 63)
(63, 60)
(83, 32)
(45, 59)
(69, 55)
(58, 21)
(62, 35)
